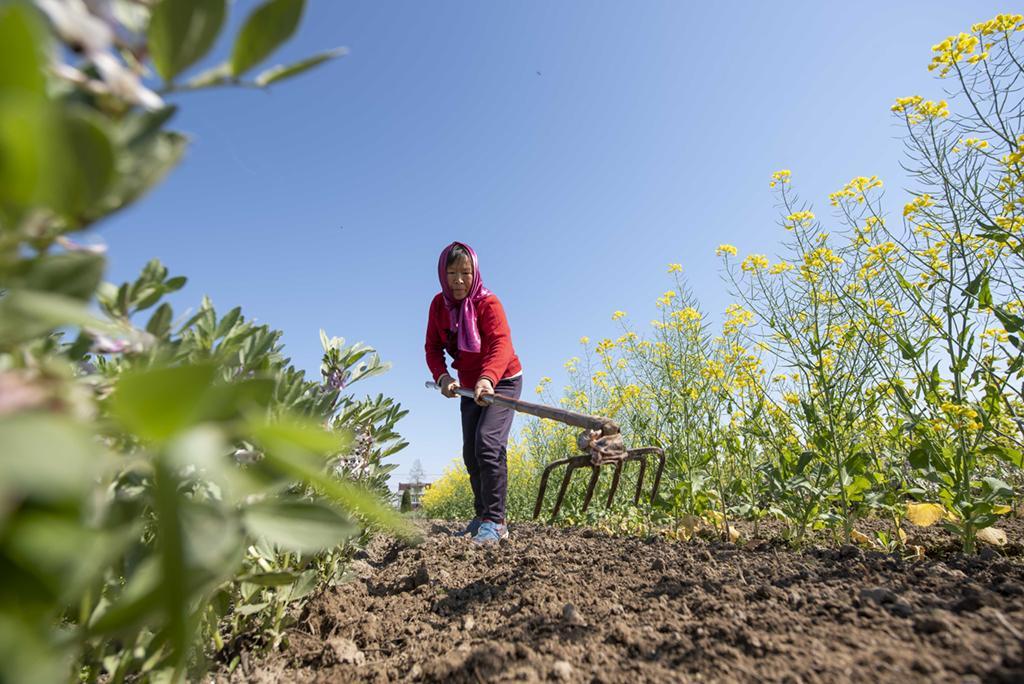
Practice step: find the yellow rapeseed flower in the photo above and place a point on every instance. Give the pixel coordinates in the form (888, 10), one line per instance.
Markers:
(955, 49)
(781, 176)
(724, 250)
(617, 315)
(754, 262)
(855, 190)
(1001, 23)
(799, 218)
(916, 205)
(675, 268)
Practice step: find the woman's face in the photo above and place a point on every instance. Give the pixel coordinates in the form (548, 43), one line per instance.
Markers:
(460, 277)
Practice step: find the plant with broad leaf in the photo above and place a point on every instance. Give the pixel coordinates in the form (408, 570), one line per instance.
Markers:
(171, 484)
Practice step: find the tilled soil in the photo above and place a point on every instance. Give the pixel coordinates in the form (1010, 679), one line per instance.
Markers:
(578, 606)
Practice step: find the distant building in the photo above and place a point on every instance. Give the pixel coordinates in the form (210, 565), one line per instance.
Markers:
(416, 490)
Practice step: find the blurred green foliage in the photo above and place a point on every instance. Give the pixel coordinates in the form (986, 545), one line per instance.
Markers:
(171, 487)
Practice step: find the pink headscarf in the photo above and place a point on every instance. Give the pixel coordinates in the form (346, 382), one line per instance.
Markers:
(463, 312)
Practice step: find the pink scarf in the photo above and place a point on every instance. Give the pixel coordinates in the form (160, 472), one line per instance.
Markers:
(463, 312)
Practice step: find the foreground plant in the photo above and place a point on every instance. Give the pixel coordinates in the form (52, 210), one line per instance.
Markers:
(170, 485)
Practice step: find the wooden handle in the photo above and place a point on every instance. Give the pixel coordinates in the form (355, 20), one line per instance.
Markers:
(605, 425)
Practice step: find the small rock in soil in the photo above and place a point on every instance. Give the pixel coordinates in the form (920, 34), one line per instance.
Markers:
(345, 651)
(879, 595)
(562, 670)
(973, 599)
(931, 624)
(900, 608)
(361, 569)
(658, 565)
(468, 623)
(422, 576)
(571, 615)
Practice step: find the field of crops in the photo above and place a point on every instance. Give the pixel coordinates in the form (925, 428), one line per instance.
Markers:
(870, 371)
(845, 450)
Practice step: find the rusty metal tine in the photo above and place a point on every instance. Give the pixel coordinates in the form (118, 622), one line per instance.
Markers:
(657, 474)
(594, 474)
(640, 480)
(544, 484)
(615, 485)
(645, 451)
(562, 489)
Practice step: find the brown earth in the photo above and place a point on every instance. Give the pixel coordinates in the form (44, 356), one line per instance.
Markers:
(574, 605)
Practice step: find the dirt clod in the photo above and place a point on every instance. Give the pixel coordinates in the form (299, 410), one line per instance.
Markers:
(879, 595)
(562, 670)
(931, 624)
(345, 651)
(571, 615)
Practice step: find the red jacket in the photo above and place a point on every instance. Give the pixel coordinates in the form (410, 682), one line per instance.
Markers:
(496, 359)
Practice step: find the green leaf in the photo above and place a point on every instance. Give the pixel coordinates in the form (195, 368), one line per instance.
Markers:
(1011, 322)
(160, 322)
(211, 539)
(985, 295)
(251, 608)
(997, 489)
(305, 527)
(173, 578)
(1011, 456)
(87, 162)
(227, 401)
(158, 403)
(218, 75)
(918, 458)
(140, 598)
(264, 31)
(270, 579)
(24, 43)
(174, 284)
(291, 434)
(29, 654)
(72, 274)
(47, 456)
(181, 32)
(25, 315)
(138, 126)
(141, 168)
(281, 72)
(27, 155)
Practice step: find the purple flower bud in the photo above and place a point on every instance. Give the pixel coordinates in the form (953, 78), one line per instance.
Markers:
(105, 345)
(336, 380)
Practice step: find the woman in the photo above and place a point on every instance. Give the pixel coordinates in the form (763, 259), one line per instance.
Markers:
(467, 321)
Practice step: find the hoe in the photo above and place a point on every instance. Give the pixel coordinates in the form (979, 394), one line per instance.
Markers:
(601, 444)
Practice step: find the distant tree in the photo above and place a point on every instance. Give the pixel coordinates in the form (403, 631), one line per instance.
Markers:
(416, 474)
(406, 505)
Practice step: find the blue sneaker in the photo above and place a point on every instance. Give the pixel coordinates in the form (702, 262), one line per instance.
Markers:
(490, 533)
(470, 530)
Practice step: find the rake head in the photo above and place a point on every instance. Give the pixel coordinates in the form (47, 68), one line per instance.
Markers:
(600, 443)
(600, 450)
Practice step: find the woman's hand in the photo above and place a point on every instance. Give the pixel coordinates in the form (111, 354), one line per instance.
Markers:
(448, 386)
(483, 388)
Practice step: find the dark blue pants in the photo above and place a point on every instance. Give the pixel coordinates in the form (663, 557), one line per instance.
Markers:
(484, 444)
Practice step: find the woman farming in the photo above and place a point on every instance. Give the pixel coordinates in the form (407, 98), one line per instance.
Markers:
(467, 321)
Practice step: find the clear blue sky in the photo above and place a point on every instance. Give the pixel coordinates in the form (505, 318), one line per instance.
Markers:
(648, 137)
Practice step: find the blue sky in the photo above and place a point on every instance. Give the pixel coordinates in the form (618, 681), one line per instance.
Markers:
(648, 137)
